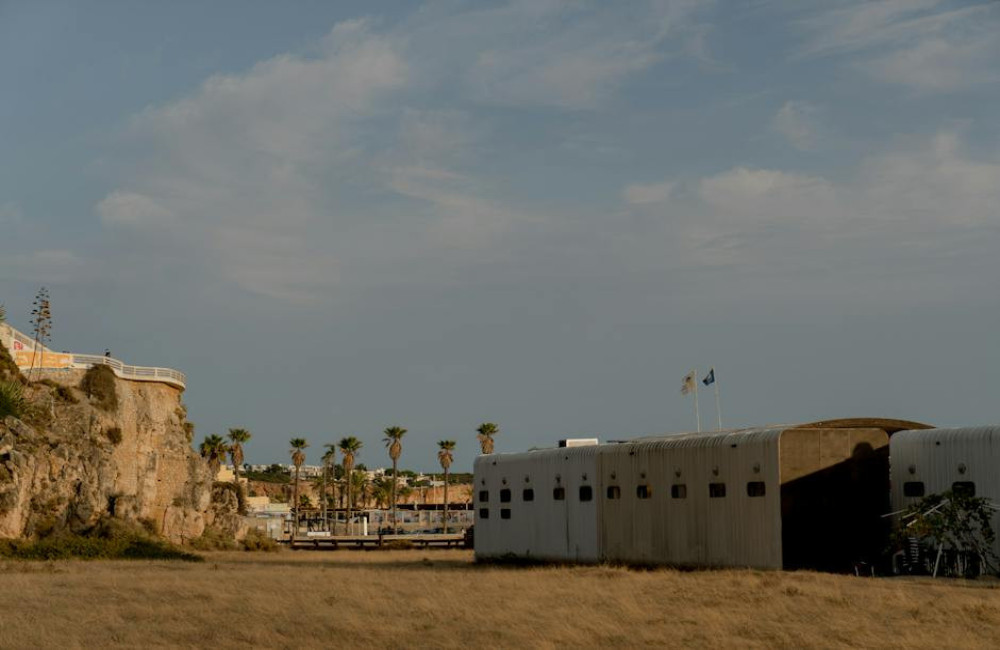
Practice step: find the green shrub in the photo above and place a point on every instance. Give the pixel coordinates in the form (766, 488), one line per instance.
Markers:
(12, 400)
(257, 540)
(213, 539)
(109, 539)
(47, 382)
(100, 384)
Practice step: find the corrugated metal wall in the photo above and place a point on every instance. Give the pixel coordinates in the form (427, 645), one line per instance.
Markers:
(544, 527)
(711, 499)
(687, 525)
(939, 458)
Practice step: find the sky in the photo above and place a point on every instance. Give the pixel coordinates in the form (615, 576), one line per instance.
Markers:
(338, 217)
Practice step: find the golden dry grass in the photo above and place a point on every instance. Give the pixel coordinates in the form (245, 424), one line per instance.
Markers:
(442, 599)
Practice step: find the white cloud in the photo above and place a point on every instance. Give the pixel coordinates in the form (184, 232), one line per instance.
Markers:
(290, 176)
(935, 182)
(131, 208)
(766, 192)
(927, 45)
(44, 266)
(242, 166)
(572, 54)
(929, 196)
(942, 64)
(799, 122)
(638, 194)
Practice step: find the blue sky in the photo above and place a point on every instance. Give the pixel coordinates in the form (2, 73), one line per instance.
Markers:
(337, 217)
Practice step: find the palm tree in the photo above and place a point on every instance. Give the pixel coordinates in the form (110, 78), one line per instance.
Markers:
(349, 448)
(382, 491)
(298, 457)
(445, 458)
(329, 458)
(213, 449)
(236, 439)
(393, 440)
(485, 432)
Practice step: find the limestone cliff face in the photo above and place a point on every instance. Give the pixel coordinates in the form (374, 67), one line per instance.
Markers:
(67, 464)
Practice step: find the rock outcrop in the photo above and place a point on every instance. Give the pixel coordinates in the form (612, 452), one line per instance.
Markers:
(71, 460)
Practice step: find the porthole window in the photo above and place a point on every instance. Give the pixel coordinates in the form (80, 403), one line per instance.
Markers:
(643, 492)
(756, 489)
(505, 513)
(679, 491)
(484, 496)
(528, 495)
(614, 492)
(586, 493)
(964, 488)
(484, 513)
(716, 490)
(505, 495)
(559, 494)
(913, 489)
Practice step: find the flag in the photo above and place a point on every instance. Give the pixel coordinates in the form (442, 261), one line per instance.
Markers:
(688, 385)
(709, 378)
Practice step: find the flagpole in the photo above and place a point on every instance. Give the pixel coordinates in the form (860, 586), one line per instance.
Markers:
(718, 402)
(697, 412)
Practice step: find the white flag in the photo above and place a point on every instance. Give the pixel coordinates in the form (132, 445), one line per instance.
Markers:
(688, 385)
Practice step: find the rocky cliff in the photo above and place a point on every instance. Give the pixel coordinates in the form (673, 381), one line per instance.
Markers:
(74, 456)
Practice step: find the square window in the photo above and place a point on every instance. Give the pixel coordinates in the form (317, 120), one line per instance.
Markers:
(528, 495)
(913, 489)
(716, 490)
(643, 492)
(505, 513)
(614, 492)
(484, 496)
(484, 513)
(559, 494)
(586, 493)
(756, 489)
(964, 488)
(505, 495)
(679, 491)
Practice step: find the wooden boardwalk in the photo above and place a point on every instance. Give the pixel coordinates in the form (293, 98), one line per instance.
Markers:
(333, 542)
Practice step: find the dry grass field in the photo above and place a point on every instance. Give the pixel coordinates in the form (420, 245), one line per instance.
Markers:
(442, 599)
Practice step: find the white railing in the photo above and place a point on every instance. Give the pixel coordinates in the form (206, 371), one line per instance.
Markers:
(135, 373)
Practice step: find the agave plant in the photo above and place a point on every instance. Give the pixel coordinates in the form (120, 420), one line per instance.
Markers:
(11, 399)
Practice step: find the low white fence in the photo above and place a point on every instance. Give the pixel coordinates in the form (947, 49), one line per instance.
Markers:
(83, 361)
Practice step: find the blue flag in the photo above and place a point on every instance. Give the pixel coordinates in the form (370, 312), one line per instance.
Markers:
(709, 378)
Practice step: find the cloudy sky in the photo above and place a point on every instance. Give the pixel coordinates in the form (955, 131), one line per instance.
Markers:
(336, 217)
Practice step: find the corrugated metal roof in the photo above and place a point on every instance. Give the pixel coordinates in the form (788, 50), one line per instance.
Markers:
(951, 434)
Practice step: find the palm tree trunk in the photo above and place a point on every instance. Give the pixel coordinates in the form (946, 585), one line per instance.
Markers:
(325, 467)
(395, 480)
(239, 488)
(350, 502)
(295, 503)
(445, 526)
